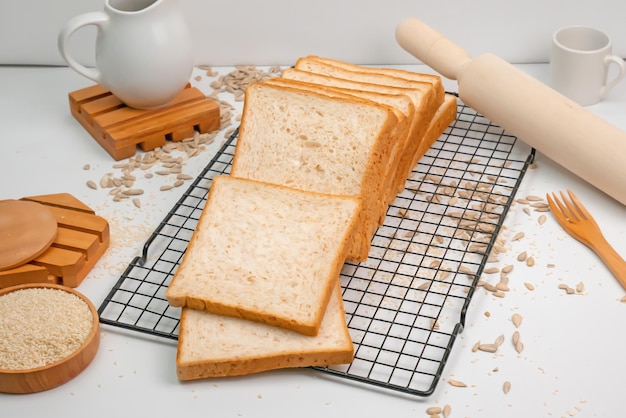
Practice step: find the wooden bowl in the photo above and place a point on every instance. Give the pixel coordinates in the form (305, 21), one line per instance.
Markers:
(57, 373)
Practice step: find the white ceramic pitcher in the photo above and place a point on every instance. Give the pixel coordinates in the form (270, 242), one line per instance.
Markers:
(144, 53)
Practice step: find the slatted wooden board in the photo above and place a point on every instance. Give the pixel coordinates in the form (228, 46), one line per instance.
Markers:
(119, 129)
(82, 238)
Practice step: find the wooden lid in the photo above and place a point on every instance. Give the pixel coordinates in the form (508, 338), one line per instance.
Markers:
(26, 230)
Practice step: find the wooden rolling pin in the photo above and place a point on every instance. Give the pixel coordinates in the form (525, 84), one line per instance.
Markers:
(554, 125)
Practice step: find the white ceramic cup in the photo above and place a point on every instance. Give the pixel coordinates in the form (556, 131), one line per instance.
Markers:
(580, 64)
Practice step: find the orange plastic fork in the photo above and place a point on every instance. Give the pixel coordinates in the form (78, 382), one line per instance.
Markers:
(578, 222)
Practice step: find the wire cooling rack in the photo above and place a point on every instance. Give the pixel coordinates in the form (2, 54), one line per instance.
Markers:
(406, 304)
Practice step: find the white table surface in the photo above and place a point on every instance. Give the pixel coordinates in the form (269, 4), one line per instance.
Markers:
(571, 365)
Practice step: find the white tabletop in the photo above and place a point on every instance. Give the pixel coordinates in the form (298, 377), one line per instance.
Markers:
(573, 343)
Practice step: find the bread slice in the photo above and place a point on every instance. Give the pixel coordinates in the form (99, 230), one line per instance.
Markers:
(403, 108)
(266, 253)
(217, 346)
(315, 142)
(415, 149)
(421, 93)
(445, 115)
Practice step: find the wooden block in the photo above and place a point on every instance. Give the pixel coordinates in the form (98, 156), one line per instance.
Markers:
(82, 238)
(120, 129)
(28, 273)
(62, 200)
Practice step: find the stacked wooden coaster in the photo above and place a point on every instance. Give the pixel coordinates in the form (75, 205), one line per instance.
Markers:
(119, 129)
(49, 239)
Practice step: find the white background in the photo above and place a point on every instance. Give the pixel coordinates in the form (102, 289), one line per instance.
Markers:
(572, 364)
(362, 31)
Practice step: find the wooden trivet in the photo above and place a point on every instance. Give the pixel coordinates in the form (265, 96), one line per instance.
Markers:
(119, 129)
(82, 237)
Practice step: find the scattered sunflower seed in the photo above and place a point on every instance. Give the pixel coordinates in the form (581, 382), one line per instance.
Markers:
(434, 410)
(488, 348)
(518, 236)
(456, 383)
(506, 387)
(517, 320)
(132, 192)
(92, 185)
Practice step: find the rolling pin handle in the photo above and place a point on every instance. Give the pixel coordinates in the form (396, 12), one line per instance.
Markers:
(432, 48)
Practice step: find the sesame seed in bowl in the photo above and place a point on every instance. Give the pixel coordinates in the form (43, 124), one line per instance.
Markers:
(48, 334)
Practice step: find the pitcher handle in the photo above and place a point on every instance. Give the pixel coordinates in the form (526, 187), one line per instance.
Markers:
(613, 59)
(99, 19)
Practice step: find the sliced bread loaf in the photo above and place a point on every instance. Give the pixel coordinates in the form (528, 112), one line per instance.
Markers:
(403, 108)
(216, 346)
(266, 253)
(388, 77)
(316, 142)
(444, 116)
(421, 95)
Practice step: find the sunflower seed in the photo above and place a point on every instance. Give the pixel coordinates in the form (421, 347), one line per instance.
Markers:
(446, 411)
(92, 184)
(530, 261)
(457, 383)
(502, 287)
(522, 256)
(519, 347)
(433, 410)
(132, 192)
(488, 348)
(518, 236)
(529, 286)
(515, 338)
(506, 387)
(517, 320)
